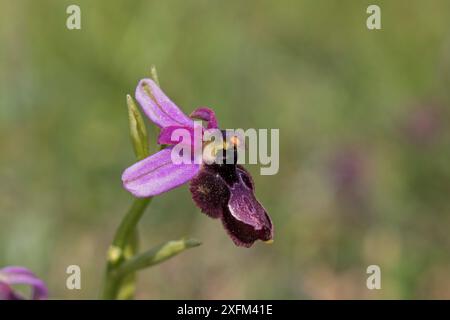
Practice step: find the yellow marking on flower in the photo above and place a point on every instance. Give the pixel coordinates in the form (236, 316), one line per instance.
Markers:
(269, 241)
(214, 147)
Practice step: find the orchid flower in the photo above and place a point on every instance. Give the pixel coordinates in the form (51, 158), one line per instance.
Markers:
(19, 275)
(222, 191)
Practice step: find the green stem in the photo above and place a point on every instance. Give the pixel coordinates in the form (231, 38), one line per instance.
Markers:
(128, 283)
(129, 223)
(117, 250)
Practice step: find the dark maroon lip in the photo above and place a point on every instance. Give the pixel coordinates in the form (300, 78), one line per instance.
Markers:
(226, 192)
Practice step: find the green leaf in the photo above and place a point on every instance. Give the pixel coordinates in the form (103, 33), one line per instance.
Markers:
(155, 256)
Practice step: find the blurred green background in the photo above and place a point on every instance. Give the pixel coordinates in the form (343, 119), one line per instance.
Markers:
(364, 142)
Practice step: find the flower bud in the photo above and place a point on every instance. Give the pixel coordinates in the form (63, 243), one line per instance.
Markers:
(138, 132)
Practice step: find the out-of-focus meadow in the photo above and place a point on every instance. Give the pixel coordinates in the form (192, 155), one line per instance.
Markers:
(364, 142)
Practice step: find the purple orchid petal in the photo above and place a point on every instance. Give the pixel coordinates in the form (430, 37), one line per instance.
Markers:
(158, 107)
(19, 275)
(157, 174)
(205, 114)
(7, 293)
(17, 270)
(165, 135)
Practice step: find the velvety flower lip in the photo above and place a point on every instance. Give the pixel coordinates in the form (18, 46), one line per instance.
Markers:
(226, 192)
(19, 275)
(222, 191)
